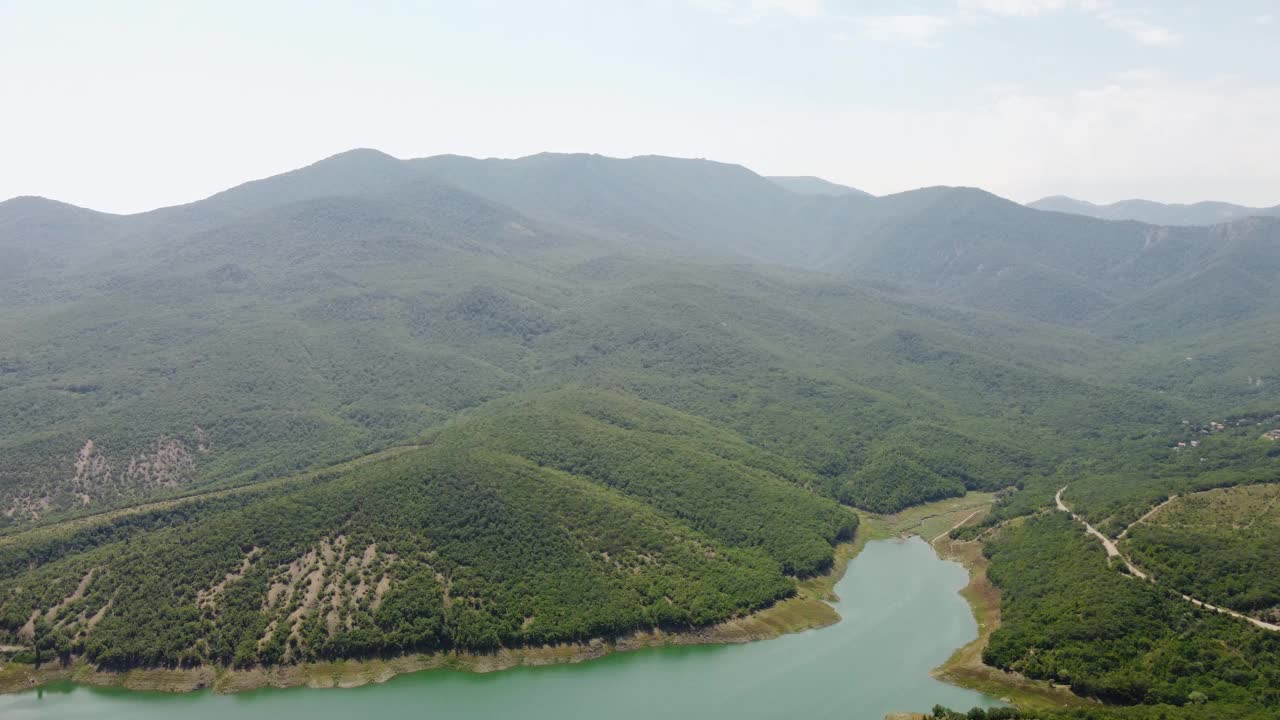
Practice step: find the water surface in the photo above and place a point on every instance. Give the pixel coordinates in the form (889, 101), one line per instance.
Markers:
(901, 613)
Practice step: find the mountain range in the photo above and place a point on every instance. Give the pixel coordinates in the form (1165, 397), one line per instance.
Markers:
(1154, 213)
(377, 405)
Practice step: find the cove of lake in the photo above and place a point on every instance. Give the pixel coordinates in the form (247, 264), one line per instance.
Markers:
(901, 614)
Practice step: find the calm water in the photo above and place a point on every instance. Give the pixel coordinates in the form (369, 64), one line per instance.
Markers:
(901, 613)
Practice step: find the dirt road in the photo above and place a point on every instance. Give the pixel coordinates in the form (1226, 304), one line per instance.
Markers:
(953, 527)
(1113, 551)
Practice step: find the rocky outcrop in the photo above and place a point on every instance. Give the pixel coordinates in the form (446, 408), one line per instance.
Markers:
(95, 477)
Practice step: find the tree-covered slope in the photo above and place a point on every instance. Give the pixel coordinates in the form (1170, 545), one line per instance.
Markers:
(451, 546)
(708, 478)
(1067, 616)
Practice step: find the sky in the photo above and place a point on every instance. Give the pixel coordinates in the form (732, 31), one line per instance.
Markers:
(128, 105)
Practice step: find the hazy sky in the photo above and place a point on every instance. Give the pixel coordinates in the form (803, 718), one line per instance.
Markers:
(125, 106)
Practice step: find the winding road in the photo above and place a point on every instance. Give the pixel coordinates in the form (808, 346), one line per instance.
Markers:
(1112, 550)
(1135, 571)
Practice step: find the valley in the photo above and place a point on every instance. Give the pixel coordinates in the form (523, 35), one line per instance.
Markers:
(378, 415)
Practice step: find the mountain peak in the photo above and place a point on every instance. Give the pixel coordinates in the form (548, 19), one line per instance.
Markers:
(951, 194)
(358, 155)
(24, 206)
(355, 172)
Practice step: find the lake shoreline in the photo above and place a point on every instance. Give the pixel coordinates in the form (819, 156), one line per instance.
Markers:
(965, 667)
(808, 609)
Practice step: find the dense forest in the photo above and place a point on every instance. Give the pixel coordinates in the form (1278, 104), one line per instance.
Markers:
(1068, 616)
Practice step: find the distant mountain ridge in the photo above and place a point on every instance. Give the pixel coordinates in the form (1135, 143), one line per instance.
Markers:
(952, 244)
(1154, 213)
(810, 185)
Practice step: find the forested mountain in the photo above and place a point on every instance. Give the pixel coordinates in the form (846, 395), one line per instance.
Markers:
(375, 405)
(957, 245)
(682, 206)
(1154, 213)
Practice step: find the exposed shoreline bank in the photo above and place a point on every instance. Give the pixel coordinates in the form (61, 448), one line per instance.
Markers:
(965, 667)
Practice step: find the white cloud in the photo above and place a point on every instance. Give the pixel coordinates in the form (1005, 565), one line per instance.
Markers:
(1133, 22)
(1264, 19)
(1141, 30)
(747, 11)
(920, 30)
(923, 29)
(1013, 8)
(794, 8)
(1138, 75)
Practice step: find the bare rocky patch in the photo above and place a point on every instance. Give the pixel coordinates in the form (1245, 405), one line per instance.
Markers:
(168, 464)
(207, 599)
(325, 585)
(75, 595)
(93, 476)
(384, 584)
(96, 618)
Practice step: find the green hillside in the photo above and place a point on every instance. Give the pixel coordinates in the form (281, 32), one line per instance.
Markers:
(457, 545)
(1068, 617)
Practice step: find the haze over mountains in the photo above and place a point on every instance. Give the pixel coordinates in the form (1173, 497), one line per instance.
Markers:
(809, 185)
(581, 395)
(495, 236)
(1154, 213)
(956, 244)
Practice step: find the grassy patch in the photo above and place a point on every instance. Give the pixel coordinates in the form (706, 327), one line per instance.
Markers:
(1218, 546)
